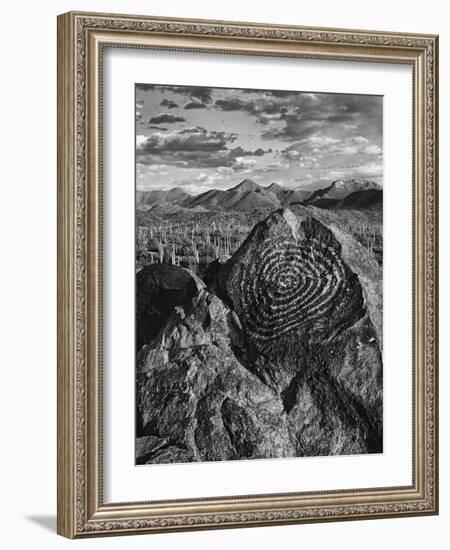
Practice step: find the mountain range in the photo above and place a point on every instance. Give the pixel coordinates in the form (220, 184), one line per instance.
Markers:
(333, 194)
(244, 197)
(248, 196)
(157, 197)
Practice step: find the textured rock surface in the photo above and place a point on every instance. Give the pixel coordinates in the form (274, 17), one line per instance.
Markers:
(290, 287)
(194, 395)
(281, 356)
(159, 288)
(158, 450)
(213, 269)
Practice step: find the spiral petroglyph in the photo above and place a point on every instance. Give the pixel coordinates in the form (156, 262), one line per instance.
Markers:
(293, 284)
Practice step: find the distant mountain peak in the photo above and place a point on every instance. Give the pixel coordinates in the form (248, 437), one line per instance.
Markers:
(341, 188)
(247, 185)
(355, 184)
(367, 199)
(155, 197)
(178, 190)
(247, 196)
(275, 188)
(339, 183)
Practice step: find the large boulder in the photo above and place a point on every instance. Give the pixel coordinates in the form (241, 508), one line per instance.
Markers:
(309, 299)
(196, 400)
(214, 268)
(160, 288)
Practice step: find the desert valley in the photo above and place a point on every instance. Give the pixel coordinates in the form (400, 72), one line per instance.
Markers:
(192, 231)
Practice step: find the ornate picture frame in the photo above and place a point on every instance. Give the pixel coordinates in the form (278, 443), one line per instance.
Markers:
(82, 39)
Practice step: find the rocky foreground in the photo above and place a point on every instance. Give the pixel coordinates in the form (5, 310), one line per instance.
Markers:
(279, 356)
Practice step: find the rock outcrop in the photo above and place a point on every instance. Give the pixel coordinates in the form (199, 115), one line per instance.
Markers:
(159, 288)
(196, 400)
(280, 356)
(214, 268)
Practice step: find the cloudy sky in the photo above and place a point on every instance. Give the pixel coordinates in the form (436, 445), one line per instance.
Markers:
(203, 138)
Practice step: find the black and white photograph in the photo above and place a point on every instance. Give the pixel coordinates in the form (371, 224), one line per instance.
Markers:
(259, 274)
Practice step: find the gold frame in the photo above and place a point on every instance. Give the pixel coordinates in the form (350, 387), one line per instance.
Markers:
(81, 37)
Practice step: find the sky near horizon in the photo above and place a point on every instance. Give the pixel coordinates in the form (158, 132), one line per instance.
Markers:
(202, 138)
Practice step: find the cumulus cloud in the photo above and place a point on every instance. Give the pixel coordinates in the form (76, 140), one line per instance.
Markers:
(265, 110)
(196, 184)
(292, 153)
(321, 144)
(195, 105)
(369, 169)
(276, 166)
(294, 128)
(373, 150)
(140, 140)
(194, 130)
(159, 128)
(280, 93)
(240, 152)
(320, 141)
(165, 118)
(234, 104)
(297, 155)
(201, 93)
(313, 113)
(168, 103)
(194, 141)
(196, 148)
(146, 87)
(152, 169)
